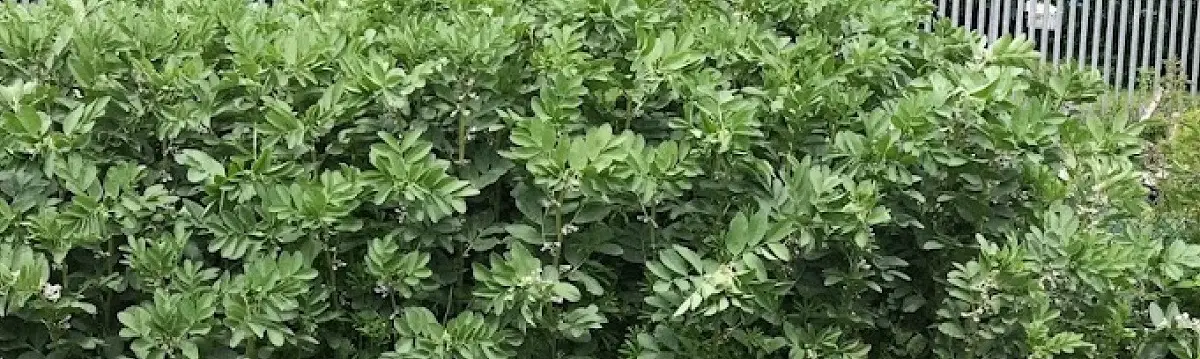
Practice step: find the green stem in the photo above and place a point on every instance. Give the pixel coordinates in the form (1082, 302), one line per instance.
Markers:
(66, 272)
(110, 262)
(458, 264)
(252, 348)
(330, 260)
(558, 225)
(653, 227)
(254, 139)
(462, 137)
(332, 271)
(396, 314)
(628, 111)
(560, 236)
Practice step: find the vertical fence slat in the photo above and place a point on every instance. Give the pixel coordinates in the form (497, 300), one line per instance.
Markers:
(1111, 71)
(1070, 28)
(1044, 38)
(1147, 39)
(1172, 41)
(1122, 44)
(967, 20)
(1059, 27)
(1188, 42)
(994, 19)
(1006, 10)
(1126, 41)
(1134, 41)
(1022, 28)
(1161, 19)
(1097, 15)
(955, 9)
(981, 9)
(1195, 71)
(1084, 34)
(960, 16)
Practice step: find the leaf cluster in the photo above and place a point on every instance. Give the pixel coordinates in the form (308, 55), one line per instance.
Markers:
(564, 179)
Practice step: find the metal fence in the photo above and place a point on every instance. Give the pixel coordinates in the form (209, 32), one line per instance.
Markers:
(1125, 39)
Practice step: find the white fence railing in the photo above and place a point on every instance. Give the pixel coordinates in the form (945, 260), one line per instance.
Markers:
(1124, 39)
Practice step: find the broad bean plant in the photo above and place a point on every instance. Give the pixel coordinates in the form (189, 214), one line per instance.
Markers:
(487, 179)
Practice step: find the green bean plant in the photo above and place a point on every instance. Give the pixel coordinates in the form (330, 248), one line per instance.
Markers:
(649, 179)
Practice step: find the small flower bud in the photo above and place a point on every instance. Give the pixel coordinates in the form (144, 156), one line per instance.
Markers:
(51, 291)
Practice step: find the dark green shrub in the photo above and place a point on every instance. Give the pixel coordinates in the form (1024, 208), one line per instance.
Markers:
(562, 179)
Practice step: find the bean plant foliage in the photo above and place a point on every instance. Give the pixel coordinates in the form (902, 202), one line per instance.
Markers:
(485, 179)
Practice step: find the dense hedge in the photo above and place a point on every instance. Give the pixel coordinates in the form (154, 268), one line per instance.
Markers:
(563, 179)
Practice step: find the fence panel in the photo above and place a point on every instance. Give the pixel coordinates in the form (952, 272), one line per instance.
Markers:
(1131, 42)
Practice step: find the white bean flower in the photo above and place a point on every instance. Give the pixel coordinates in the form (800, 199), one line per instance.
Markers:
(51, 291)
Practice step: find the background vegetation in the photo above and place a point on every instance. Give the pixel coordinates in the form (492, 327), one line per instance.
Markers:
(567, 179)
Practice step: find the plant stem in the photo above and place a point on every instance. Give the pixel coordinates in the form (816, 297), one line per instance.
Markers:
(252, 348)
(450, 296)
(558, 226)
(458, 264)
(653, 229)
(254, 139)
(628, 110)
(330, 259)
(110, 262)
(462, 138)
(66, 273)
(396, 314)
(559, 235)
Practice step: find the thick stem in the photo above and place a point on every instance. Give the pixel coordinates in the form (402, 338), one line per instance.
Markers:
(110, 262)
(628, 111)
(653, 228)
(396, 314)
(559, 236)
(66, 274)
(558, 225)
(458, 264)
(653, 233)
(450, 300)
(462, 112)
(558, 231)
(254, 141)
(462, 138)
(330, 260)
(252, 348)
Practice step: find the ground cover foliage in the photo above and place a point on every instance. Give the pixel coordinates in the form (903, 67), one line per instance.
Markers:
(565, 179)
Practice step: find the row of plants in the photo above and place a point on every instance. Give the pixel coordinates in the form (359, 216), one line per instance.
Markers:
(646, 179)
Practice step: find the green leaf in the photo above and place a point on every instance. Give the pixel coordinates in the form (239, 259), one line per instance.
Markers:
(276, 337)
(525, 233)
(779, 251)
(951, 329)
(81, 119)
(591, 212)
(862, 239)
(691, 257)
(1156, 315)
(567, 291)
(189, 350)
(739, 234)
(672, 260)
(201, 166)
